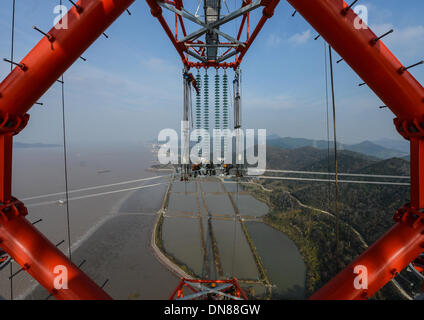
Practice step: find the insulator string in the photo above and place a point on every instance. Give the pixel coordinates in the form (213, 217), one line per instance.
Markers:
(206, 108)
(198, 109)
(217, 111)
(225, 124)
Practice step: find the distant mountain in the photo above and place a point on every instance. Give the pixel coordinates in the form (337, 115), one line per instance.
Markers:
(375, 150)
(313, 159)
(34, 145)
(367, 147)
(368, 208)
(294, 143)
(401, 145)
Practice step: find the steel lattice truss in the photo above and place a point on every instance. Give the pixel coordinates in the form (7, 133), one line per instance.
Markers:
(201, 48)
(209, 290)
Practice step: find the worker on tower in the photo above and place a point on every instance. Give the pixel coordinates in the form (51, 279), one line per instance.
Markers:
(189, 77)
(227, 168)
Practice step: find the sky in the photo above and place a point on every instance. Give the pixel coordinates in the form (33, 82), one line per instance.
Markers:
(130, 87)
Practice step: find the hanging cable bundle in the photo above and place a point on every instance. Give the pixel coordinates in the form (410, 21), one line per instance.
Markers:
(206, 103)
(336, 209)
(217, 108)
(198, 109)
(65, 154)
(225, 109)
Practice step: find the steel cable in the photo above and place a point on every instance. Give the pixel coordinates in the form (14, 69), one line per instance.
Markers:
(11, 69)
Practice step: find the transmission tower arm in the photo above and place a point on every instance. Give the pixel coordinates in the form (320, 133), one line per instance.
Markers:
(31, 78)
(44, 262)
(401, 92)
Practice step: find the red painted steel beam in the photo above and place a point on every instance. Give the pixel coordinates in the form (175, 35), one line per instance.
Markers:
(241, 27)
(46, 62)
(178, 288)
(383, 260)
(179, 6)
(374, 63)
(239, 289)
(404, 95)
(39, 257)
(248, 26)
(182, 25)
(49, 60)
(212, 64)
(245, 3)
(267, 13)
(249, 42)
(6, 146)
(178, 292)
(417, 172)
(156, 11)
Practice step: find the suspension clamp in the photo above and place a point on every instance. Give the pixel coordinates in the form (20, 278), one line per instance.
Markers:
(409, 215)
(12, 210)
(12, 123)
(410, 128)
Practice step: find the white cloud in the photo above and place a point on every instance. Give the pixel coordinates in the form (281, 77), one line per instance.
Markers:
(300, 38)
(296, 39)
(274, 40)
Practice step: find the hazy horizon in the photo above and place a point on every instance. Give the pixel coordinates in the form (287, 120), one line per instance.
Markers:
(130, 87)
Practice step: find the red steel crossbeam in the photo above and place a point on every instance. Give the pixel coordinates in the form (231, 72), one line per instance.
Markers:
(243, 20)
(178, 293)
(242, 23)
(156, 12)
(46, 62)
(268, 12)
(6, 144)
(179, 6)
(403, 94)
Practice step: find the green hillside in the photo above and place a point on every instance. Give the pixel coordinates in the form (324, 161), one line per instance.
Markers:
(366, 211)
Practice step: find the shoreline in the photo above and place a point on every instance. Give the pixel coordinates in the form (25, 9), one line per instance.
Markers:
(161, 256)
(112, 213)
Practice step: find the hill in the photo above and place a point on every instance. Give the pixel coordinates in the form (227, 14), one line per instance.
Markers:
(305, 211)
(377, 203)
(401, 145)
(313, 159)
(366, 147)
